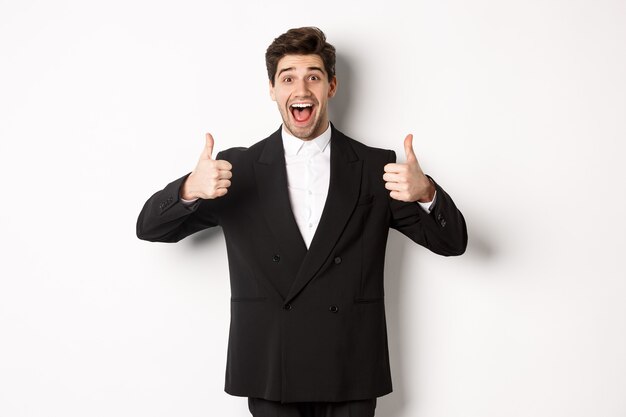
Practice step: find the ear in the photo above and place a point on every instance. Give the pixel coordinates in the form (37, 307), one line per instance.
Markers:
(272, 94)
(333, 87)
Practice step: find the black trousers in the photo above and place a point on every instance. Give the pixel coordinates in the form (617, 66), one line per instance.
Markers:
(265, 408)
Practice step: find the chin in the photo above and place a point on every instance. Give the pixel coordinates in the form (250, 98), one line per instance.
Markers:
(304, 132)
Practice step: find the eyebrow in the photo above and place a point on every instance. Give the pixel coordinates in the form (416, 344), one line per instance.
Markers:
(293, 68)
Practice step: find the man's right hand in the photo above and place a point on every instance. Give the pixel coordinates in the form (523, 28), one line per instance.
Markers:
(210, 179)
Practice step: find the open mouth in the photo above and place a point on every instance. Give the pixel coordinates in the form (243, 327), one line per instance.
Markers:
(301, 112)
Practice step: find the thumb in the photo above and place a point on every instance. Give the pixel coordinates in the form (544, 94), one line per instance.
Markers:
(208, 147)
(408, 148)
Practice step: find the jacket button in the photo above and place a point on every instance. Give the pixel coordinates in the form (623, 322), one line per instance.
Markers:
(287, 307)
(338, 260)
(333, 309)
(276, 258)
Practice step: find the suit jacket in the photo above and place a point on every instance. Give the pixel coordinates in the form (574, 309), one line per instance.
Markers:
(306, 325)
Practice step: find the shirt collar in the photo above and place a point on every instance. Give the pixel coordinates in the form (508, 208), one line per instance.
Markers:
(293, 145)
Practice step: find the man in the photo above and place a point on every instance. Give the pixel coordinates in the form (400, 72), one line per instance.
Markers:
(306, 214)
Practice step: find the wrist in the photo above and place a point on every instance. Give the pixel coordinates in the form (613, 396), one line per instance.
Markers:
(429, 192)
(185, 193)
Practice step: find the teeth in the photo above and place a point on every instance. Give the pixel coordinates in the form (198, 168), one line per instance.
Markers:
(301, 105)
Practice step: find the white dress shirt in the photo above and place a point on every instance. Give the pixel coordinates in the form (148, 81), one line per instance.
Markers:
(308, 175)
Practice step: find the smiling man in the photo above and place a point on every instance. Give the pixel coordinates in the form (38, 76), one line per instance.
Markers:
(305, 214)
(301, 88)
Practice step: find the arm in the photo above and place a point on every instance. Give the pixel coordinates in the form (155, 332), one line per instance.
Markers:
(165, 218)
(441, 229)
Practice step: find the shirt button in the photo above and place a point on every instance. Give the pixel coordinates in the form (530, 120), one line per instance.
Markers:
(287, 307)
(333, 309)
(310, 224)
(338, 260)
(310, 192)
(276, 258)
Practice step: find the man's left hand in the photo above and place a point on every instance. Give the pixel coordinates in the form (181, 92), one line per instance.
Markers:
(407, 181)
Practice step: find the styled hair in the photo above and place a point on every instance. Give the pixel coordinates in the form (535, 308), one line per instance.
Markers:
(300, 41)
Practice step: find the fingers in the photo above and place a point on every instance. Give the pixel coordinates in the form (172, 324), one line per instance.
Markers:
(405, 181)
(223, 165)
(207, 152)
(397, 186)
(394, 177)
(225, 174)
(396, 168)
(217, 188)
(220, 192)
(408, 148)
(211, 178)
(399, 191)
(400, 196)
(220, 178)
(222, 184)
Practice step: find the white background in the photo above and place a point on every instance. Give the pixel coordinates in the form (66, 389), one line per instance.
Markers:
(518, 109)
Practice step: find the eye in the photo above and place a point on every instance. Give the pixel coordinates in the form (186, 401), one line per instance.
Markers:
(314, 78)
(287, 79)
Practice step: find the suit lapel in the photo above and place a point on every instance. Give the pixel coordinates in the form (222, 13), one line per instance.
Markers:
(271, 176)
(343, 192)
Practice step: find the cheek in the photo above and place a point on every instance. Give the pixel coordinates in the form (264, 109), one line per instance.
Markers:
(323, 94)
(281, 98)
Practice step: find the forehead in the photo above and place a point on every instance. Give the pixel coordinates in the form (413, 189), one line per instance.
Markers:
(300, 62)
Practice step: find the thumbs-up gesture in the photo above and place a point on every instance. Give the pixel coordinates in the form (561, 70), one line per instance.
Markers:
(210, 179)
(407, 181)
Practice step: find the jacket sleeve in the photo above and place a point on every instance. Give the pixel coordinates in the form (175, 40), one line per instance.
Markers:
(442, 231)
(164, 218)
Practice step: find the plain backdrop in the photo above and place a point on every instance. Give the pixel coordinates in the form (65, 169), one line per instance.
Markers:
(518, 109)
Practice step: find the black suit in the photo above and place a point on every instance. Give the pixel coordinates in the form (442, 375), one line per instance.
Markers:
(306, 325)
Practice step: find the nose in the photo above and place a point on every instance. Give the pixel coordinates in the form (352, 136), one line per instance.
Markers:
(301, 89)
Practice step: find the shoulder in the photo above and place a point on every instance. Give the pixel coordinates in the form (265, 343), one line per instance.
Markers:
(363, 151)
(251, 153)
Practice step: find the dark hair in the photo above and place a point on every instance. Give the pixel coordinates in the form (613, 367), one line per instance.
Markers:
(300, 41)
